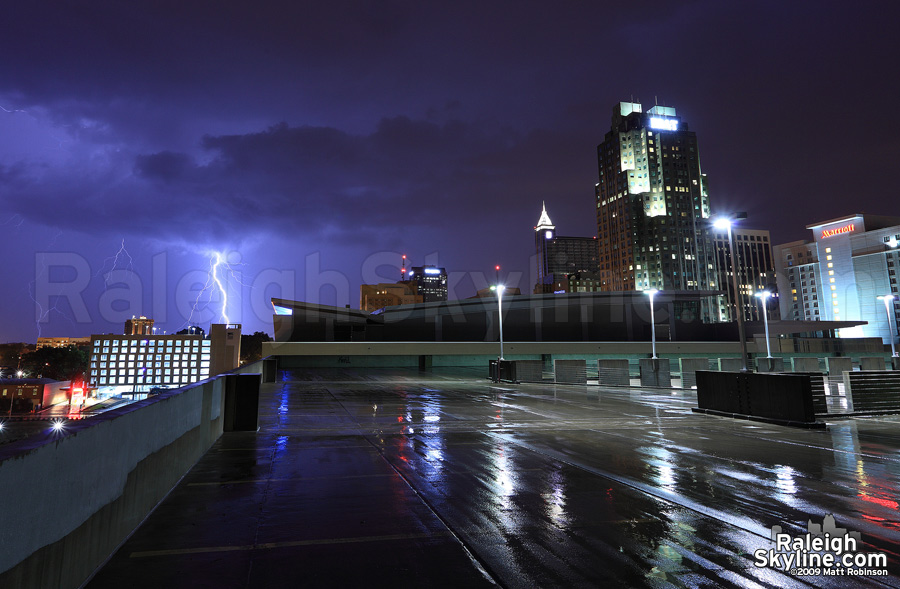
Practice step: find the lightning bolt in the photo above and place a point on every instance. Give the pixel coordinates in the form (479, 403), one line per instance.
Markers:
(115, 262)
(218, 266)
(215, 276)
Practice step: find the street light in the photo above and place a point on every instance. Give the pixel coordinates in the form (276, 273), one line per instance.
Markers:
(652, 293)
(725, 223)
(888, 300)
(500, 288)
(764, 297)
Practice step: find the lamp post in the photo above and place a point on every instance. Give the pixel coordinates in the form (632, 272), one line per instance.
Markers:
(652, 293)
(500, 288)
(764, 297)
(725, 223)
(888, 300)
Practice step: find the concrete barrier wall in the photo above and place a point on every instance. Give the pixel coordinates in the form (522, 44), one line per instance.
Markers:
(689, 368)
(770, 364)
(74, 496)
(529, 370)
(729, 364)
(655, 372)
(805, 364)
(871, 363)
(570, 371)
(614, 372)
(837, 366)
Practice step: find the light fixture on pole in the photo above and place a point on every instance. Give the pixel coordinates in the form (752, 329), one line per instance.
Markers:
(725, 223)
(764, 297)
(888, 304)
(652, 293)
(499, 288)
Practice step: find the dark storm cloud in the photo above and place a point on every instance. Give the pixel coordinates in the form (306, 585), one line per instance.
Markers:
(322, 179)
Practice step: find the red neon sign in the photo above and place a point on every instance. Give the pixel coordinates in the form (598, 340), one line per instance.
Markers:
(837, 231)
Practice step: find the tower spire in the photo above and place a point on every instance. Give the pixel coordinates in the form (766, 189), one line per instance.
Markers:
(544, 222)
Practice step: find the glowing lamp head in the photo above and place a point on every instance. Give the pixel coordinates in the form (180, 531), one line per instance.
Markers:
(652, 292)
(892, 242)
(763, 294)
(722, 223)
(887, 298)
(498, 288)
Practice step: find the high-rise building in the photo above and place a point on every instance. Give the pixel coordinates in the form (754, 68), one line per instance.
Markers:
(558, 256)
(139, 326)
(755, 269)
(653, 206)
(842, 272)
(430, 281)
(798, 280)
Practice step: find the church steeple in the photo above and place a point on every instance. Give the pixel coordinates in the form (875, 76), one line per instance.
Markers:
(544, 223)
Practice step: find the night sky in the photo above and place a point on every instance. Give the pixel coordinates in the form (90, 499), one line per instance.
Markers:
(314, 143)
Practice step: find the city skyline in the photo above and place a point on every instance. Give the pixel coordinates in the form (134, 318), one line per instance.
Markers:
(303, 143)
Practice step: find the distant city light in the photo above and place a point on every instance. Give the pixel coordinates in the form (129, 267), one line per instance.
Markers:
(58, 424)
(431, 271)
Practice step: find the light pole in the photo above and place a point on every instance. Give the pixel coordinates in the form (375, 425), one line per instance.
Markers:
(764, 297)
(500, 288)
(652, 293)
(888, 300)
(725, 223)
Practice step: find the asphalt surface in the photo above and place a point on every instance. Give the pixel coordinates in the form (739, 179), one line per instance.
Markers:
(393, 478)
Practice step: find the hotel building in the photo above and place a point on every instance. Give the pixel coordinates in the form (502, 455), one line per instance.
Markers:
(840, 274)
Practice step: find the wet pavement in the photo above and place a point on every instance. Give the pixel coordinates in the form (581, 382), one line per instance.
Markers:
(395, 478)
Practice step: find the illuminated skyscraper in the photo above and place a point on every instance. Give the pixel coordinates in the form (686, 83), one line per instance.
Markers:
(653, 206)
(430, 281)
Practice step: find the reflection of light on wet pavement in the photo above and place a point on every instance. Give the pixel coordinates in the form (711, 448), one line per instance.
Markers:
(785, 482)
(662, 465)
(556, 499)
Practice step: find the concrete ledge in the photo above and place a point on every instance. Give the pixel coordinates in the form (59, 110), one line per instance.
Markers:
(76, 495)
